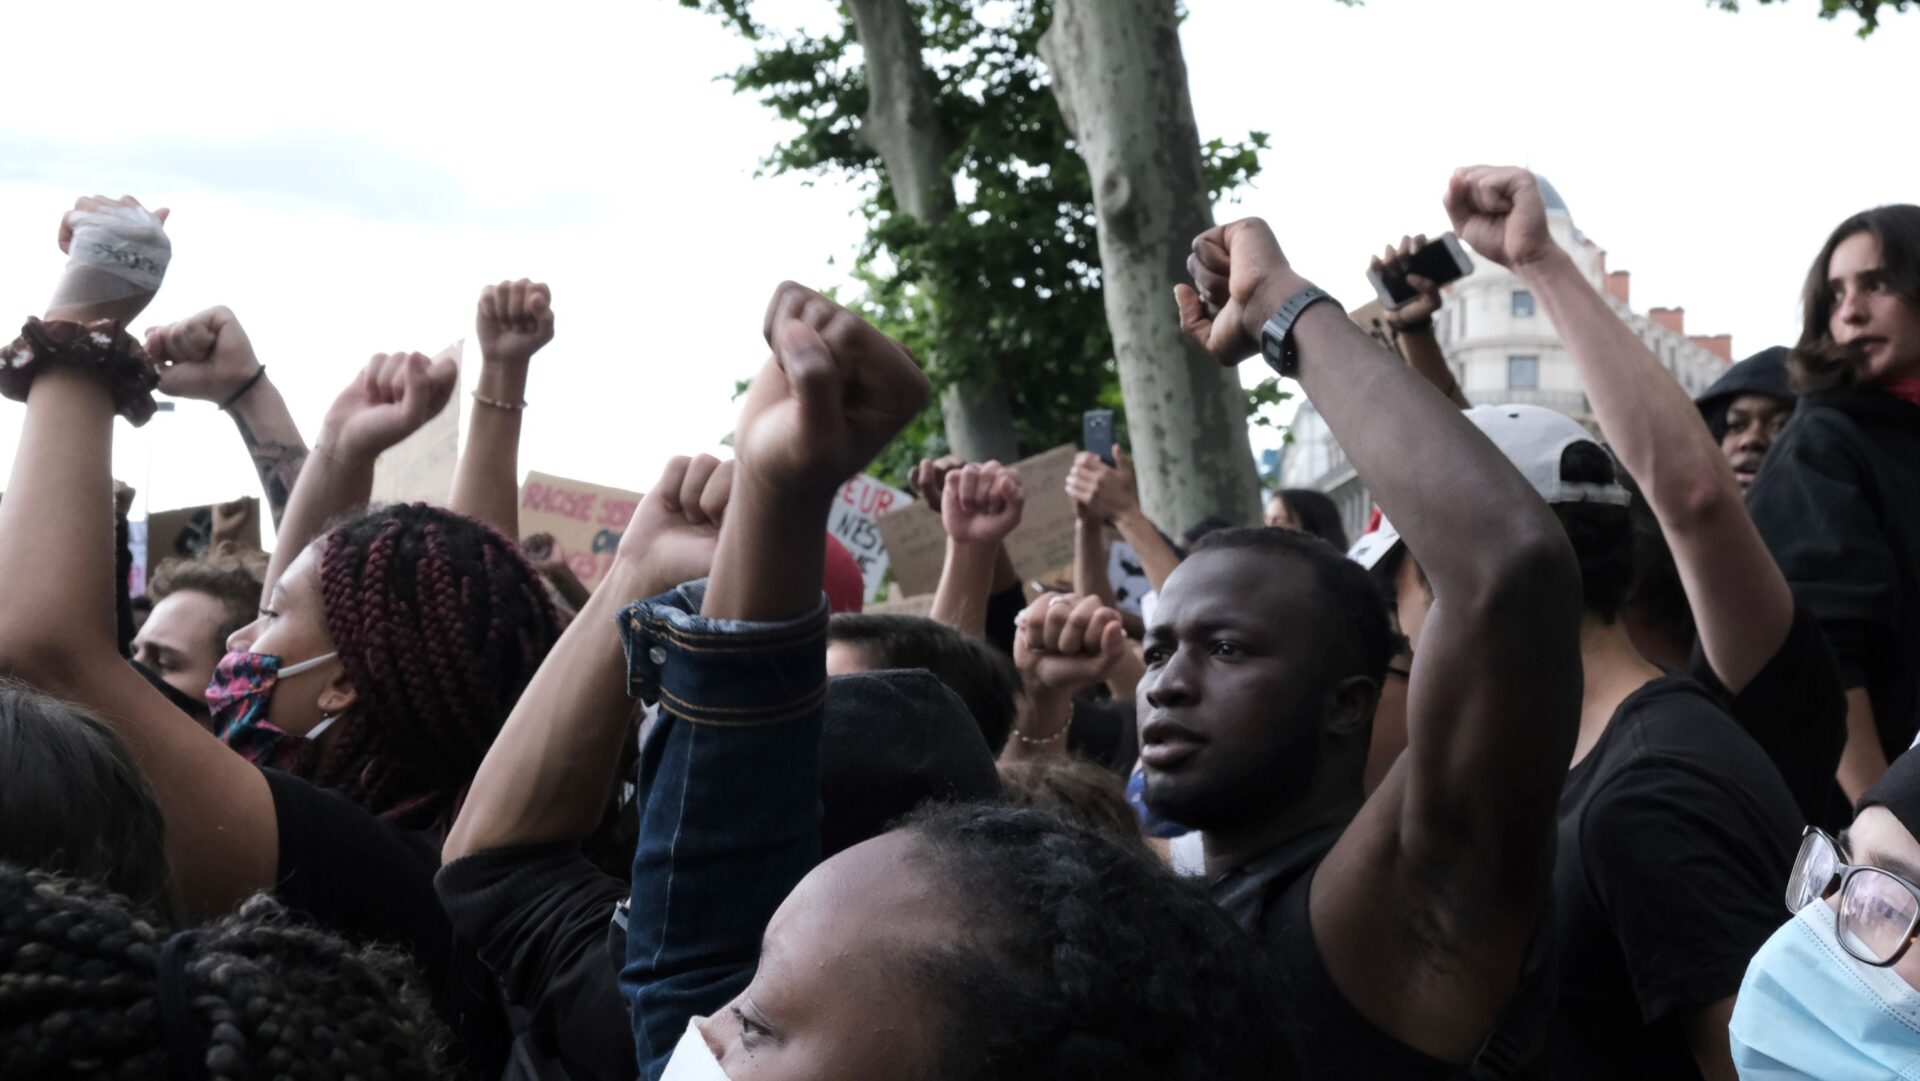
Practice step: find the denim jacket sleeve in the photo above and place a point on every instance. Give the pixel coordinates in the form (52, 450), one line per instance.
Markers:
(730, 811)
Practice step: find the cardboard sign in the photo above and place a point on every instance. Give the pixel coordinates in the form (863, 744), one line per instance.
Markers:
(181, 534)
(586, 521)
(419, 469)
(916, 542)
(853, 521)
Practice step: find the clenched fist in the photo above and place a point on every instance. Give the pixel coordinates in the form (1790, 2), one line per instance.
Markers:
(388, 401)
(514, 321)
(206, 357)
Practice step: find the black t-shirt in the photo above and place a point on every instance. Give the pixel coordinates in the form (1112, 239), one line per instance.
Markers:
(1325, 1035)
(1795, 709)
(1676, 836)
(372, 881)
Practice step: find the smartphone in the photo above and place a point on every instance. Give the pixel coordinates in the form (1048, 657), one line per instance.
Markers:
(1096, 433)
(1439, 261)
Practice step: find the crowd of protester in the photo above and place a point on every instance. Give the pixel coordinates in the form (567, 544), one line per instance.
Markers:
(1586, 759)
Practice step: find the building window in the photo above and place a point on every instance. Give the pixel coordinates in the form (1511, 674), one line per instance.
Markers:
(1522, 302)
(1523, 373)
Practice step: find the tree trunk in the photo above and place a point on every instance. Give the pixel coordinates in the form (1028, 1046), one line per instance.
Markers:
(1121, 82)
(903, 128)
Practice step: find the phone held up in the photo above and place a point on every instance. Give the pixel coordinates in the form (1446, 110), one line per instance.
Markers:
(1096, 433)
(1439, 261)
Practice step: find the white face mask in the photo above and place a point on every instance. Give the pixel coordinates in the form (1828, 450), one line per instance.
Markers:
(692, 1059)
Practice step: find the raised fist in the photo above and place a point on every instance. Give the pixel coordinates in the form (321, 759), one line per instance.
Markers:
(929, 479)
(833, 393)
(117, 253)
(673, 535)
(515, 320)
(1427, 295)
(206, 357)
(1100, 491)
(1498, 210)
(388, 401)
(1240, 278)
(1066, 643)
(981, 504)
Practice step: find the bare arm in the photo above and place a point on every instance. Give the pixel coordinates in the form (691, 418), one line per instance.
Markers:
(1090, 557)
(548, 773)
(1863, 761)
(1412, 322)
(1423, 353)
(1107, 493)
(210, 358)
(980, 505)
(1157, 557)
(57, 633)
(1739, 596)
(515, 319)
(1458, 840)
(389, 400)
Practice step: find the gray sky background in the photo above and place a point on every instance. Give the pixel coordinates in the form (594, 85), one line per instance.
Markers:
(347, 183)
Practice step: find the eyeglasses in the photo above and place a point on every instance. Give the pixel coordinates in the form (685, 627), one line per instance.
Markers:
(1879, 911)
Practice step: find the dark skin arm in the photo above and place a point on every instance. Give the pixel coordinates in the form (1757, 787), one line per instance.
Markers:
(1412, 323)
(1456, 846)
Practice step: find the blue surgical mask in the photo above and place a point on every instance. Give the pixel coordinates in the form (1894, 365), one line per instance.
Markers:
(242, 686)
(1809, 1009)
(692, 1059)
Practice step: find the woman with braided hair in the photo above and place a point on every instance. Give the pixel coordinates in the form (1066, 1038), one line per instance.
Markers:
(91, 986)
(388, 651)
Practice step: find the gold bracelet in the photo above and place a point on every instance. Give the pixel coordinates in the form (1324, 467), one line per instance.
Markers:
(511, 407)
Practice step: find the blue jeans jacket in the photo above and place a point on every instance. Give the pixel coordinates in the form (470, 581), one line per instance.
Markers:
(730, 812)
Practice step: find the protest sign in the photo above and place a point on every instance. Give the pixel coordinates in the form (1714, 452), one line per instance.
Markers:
(916, 543)
(853, 521)
(419, 469)
(183, 534)
(585, 521)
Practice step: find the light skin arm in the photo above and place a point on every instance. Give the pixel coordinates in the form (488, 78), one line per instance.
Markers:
(515, 319)
(546, 778)
(1064, 645)
(389, 400)
(1412, 322)
(1090, 556)
(208, 357)
(1107, 491)
(1862, 762)
(979, 506)
(1739, 596)
(57, 634)
(1458, 840)
(1707, 1038)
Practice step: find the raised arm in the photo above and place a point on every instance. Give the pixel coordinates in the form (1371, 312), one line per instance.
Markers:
(1740, 599)
(1459, 839)
(389, 400)
(1412, 322)
(57, 627)
(208, 357)
(979, 506)
(1107, 491)
(514, 321)
(547, 775)
(1066, 644)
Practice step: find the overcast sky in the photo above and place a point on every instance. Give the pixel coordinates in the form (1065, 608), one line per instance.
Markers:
(346, 179)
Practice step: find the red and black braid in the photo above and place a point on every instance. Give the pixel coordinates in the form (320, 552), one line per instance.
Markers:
(440, 623)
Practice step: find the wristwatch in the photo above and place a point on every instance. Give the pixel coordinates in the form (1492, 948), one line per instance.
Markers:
(1276, 338)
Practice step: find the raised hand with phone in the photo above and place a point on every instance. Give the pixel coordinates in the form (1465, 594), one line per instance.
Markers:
(1411, 298)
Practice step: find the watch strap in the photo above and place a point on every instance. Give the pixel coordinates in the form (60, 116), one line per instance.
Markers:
(1276, 337)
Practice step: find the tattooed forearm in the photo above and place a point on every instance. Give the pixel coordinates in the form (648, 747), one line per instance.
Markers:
(278, 465)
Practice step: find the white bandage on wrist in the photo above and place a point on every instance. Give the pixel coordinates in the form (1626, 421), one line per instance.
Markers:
(116, 252)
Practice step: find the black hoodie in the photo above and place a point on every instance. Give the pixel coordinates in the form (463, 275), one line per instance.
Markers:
(1838, 501)
(1764, 372)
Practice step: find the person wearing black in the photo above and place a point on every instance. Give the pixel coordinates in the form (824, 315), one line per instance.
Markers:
(1401, 921)
(1747, 408)
(1838, 499)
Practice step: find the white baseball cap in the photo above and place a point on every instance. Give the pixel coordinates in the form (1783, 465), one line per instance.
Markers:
(1373, 547)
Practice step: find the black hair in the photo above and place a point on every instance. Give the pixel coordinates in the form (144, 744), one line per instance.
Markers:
(253, 994)
(73, 801)
(1316, 514)
(1212, 523)
(1656, 593)
(982, 676)
(1602, 533)
(1818, 363)
(1367, 642)
(1083, 959)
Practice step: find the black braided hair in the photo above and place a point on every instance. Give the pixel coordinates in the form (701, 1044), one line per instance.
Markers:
(1085, 960)
(259, 995)
(440, 622)
(72, 799)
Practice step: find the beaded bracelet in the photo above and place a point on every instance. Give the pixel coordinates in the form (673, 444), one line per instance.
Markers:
(511, 407)
(100, 345)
